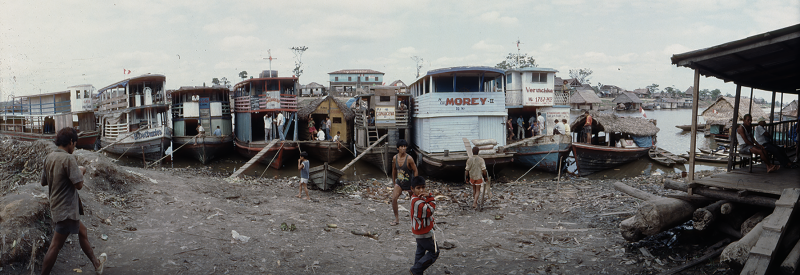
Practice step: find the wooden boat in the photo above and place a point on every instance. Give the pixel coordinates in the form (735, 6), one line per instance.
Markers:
(134, 117)
(455, 103)
(206, 106)
(542, 152)
(689, 127)
(594, 158)
(648, 107)
(41, 116)
(256, 98)
(326, 177)
(664, 153)
(659, 155)
(341, 122)
(708, 158)
(388, 106)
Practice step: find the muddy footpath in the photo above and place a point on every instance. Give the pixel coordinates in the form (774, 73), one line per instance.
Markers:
(193, 221)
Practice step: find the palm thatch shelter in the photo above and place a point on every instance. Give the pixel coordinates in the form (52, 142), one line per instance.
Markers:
(584, 99)
(721, 112)
(611, 123)
(318, 109)
(790, 111)
(629, 100)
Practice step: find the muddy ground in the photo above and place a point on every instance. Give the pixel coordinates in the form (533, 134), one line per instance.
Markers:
(181, 221)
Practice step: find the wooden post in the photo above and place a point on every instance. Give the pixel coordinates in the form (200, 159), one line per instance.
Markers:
(735, 123)
(772, 110)
(143, 158)
(695, 104)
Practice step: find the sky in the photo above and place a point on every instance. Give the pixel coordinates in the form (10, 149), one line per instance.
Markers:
(47, 46)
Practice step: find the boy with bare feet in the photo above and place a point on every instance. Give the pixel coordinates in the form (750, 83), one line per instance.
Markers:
(476, 174)
(302, 165)
(402, 168)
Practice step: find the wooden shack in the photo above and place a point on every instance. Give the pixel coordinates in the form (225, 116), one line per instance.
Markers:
(318, 109)
(719, 115)
(629, 99)
(584, 99)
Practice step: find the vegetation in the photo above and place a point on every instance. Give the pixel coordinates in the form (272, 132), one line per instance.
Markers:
(298, 62)
(582, 75)
(517, 61)
(243, 75)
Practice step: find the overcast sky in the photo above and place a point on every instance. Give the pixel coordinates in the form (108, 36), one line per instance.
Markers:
(46, 46)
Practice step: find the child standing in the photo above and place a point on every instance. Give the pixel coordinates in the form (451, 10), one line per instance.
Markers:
(422, 207)
(476, 174)
(302, 165)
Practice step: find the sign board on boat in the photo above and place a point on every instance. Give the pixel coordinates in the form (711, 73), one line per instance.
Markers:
(384, 114)
(552, 114)
(273, 100)
(204, 103)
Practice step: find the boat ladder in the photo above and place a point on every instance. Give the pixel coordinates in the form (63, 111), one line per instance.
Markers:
(372, 132)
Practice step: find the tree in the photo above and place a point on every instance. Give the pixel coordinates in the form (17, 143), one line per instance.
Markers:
(215, 81)
(225, 82)
(715, 93)
(298, 59)
(582, 75)
(653, 88)
(243, 75)
(704, 94)
(512, 59)
(418, 60)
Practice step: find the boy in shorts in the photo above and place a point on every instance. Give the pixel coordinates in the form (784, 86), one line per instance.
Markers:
(402, 168)
(476, 174)
(422, 207)
(302, 165)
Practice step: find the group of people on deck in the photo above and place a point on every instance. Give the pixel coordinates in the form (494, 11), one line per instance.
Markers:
(324, 131)
(272, 121)
(759, 142)
(536, 125)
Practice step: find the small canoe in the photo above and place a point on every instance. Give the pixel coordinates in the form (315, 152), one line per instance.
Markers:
(689, 127)
(326, 177)
(702, 157)
(670, 155)
(653, 154)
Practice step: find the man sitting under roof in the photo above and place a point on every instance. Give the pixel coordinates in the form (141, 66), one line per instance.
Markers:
(764, 139)
(748, 146)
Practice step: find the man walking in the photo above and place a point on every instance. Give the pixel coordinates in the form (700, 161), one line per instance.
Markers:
(281, 122)
(64, 178)
(520, 128)
(542, 124)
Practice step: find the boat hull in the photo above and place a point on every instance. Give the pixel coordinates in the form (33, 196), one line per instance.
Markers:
(379, 156)
(275, 157)
(206, 148)
(325, 151)
(324, 177)
(454, 165)
(545, 153)
(86, 140)
(151, 149)
(593, 158)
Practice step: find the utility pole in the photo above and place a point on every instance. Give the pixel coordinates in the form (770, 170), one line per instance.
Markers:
(418, 60)
(270, 61)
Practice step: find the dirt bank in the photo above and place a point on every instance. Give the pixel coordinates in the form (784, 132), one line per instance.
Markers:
(157, 221)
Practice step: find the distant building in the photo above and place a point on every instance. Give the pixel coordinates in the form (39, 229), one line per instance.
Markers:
(312, 89)
(584, 99)
(629, 100)
(610, 90)
(642, 92)
(398, 83)
(350, 80)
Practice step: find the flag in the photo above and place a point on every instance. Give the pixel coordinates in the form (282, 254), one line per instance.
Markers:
(129, 71)
(642, 111)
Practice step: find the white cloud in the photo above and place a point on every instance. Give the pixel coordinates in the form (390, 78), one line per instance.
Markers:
(484, 46)
(230, 25)
(238, 42)
(494, 17)
(675, 49)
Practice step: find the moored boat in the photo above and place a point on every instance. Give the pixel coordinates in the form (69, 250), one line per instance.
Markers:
(206, 106)
(134, 117)
(526, 99)
(341, 117)
(255, 98)
(626, 139)
(689, 127)
(451, 104)
(382, 111)
(42, 116)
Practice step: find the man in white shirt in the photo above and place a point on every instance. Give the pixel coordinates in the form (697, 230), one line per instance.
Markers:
(321, 135)
(267, 127)
(761, 134)
(559, 128)
(281, 121)
(542, 124)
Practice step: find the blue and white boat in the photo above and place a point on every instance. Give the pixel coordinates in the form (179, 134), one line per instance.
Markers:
(529, 92)
(454, 103)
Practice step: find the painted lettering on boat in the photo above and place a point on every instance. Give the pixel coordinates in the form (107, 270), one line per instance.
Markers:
(147, 134)
(545, 99)
(458, 101)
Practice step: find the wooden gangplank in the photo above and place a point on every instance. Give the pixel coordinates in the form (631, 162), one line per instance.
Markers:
(468, 146)
(255, 159)
(762, 256)
(523, 141)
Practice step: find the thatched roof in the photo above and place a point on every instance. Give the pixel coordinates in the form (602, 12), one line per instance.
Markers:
(721, 112)
(791, 109)
(585, 97)
(611, 123)
(641, 91)
(312, 106)
(627, 97)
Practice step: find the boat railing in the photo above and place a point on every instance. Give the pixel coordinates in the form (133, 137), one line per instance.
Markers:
(29, 108)
(561, 98)
(401, 118)
(112, 131)
(782, 133)
(513, 97)
(259, 102)
(114, 103)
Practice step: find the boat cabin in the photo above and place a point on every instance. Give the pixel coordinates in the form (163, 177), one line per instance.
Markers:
(617, 131)
(38, 114)
(131, 104)
(385, 109)
(200, 105)
(327, 106)
(266, 96)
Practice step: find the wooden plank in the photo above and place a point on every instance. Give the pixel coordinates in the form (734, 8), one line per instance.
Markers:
(762, 254)
(467, 146)
(254, 159)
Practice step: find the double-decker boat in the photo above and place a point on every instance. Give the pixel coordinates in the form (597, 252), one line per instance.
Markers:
(41, 116)
(256, 98)
(451, 104)
(208, 107)
(382, 111)
(134, 118)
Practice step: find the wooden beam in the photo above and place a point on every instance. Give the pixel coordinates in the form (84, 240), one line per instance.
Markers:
(695, 104)
(731, 154)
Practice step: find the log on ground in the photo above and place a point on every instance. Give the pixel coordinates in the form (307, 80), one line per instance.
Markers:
(735, 254)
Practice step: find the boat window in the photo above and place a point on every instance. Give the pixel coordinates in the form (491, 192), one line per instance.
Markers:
(85, 94)
(349, 78)
(77, 94)
(508, 79)
(337, 120)
(385, 98)
(539, 77)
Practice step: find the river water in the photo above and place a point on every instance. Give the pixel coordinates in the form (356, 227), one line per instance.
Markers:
(669, 137)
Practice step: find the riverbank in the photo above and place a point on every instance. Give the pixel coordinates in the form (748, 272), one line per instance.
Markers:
(156, 221)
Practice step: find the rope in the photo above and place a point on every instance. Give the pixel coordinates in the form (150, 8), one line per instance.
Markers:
(101, 149)
(173, 151)
(273, 159)
(123, 153)
(534, 166)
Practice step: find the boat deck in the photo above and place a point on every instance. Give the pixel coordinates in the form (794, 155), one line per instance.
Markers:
(757, 181)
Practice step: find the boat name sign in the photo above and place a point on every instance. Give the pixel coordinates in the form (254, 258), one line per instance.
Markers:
(539, 97)
(465, 101)
(148, 134)
(384, 113)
